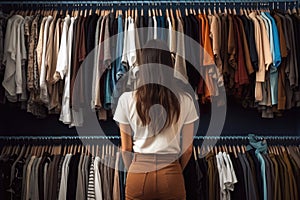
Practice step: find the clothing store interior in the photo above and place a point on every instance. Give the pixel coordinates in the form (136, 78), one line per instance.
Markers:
(58, 139)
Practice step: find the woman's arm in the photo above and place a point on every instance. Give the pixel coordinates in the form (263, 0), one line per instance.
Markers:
(187, 144)
(126, 144)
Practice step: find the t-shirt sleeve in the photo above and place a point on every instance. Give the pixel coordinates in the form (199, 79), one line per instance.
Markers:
(191, 110)
(121, 112)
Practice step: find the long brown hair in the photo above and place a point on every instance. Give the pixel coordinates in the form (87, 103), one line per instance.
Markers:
(155, 53)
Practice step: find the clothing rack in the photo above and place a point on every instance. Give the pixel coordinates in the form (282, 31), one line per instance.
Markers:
(118, 137)
(156, 2)
(121, 4)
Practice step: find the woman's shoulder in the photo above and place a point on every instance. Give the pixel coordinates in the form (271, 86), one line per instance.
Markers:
(126, 96)
(185, 97)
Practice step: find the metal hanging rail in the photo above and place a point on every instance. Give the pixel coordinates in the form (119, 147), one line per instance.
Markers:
(156, 2)
(118, 137)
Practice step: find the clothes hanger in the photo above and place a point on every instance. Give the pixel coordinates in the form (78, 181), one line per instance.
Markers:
(65, 150)
(282, 148)
(234, 151)
(179, 12)
(294, 11)
(225, 8)
(103, 152)
(199, 151)
(13, 150)
(288, 150)
(153, 11)
(156, 10)
(136, 14)
(199, 10)
(106, 12)
(171, 15)
(32, 150)
(113, 149)
(74, 12)
(97, 10)
(194, 153)
(3, 150)
(219, 10)
(106, 149)
(117, 14)
(238, 148)
(83, 149)
(243, 149)
(234, 10)
(186, 10)
(38, 150)
(78, 149)
(159, 10)
(215, 9)
(142, 10)
(229, 11)
(229, 149)
(71, 149)
(112, 8)
(217, 149)
(102, 12)
(246, 10)
(222, 147)
(242, 9)
(9, 149)
(22, 151)
(31, 12)
(226, 148)
(52, 150)
(167, 13)
(277, 149)
(27, 151)
(75, 149)
(92, 152)
(97, 150)
(270, 149)
(132, 13)
(44, 149)
(81, 12)
(192, 10)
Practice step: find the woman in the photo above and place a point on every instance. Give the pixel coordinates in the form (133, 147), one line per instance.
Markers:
(157, 125)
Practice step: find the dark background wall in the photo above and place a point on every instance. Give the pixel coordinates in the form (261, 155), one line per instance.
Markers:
(239, 121)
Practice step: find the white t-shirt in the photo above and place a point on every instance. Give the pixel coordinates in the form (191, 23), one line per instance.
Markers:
(144, 141)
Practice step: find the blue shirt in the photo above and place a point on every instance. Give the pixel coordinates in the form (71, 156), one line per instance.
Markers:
(260, 147)
(276, 52)
(120, 69)
(276, 55)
